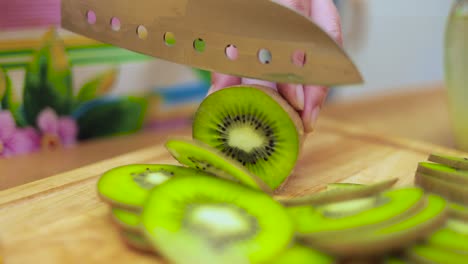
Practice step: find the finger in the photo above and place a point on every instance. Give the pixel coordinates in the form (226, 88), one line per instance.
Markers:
(303, 6)
(219, 81)
(325, 14)
(250, 81)
(294, 94)
(314, 96)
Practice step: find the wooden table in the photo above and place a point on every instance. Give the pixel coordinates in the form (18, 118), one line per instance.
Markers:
(420, 114)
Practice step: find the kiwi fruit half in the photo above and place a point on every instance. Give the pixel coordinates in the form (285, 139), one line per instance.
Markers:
(383, 239)
(300, 254)
(136, 241)
(426, 254)
(203, 157)
(354, 215)
(444, 172)
(211, 220)
(127, 186)
(253, 125)
(125, 219)
(454, 192)
(451, 161)
(337, 194)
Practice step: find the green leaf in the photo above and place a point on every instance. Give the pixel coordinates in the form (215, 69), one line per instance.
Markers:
(6, 91)
(48, 81)
(110, 116)
(98, 86)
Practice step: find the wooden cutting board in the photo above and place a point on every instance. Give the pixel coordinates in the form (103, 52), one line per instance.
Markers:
(61, 220)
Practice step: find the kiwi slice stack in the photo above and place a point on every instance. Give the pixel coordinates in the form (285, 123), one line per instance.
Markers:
(219, 207)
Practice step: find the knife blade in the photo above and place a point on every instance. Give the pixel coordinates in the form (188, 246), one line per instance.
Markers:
(261, 36)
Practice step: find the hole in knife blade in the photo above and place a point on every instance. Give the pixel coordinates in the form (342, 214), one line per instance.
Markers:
(115, 24)
(169, 39)
(231, 52)
(199, 45)
(91, 17)
(142, 32)
(264, 56)
(299, 58)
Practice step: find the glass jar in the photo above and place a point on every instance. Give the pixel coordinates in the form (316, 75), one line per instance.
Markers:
(456, 71)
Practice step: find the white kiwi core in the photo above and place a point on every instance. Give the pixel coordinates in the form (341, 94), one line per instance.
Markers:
(156, 177)
(245, 138)
(219, 220)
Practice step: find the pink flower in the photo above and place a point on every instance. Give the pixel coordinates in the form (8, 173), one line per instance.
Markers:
(56, 131)
(14, 141)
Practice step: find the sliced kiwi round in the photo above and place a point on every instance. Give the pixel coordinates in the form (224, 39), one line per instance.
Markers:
(458, 211)
(203, 157)
(454, 192)
(211, 220)
(337, 194)
(300, 254)
(396, 235)
(127, 186)
(451, 161)
(356, 214)
(426, 254)
(255, 126)
(444, 172)
(453, 236)
(126, 219)
(137, 241)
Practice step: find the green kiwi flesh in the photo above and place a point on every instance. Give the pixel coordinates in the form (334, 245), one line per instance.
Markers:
(201, 156)
(394, 260)
(396, 235)
(211, 220)
(299, 254)
(128, 186)
(453, 192)
(426, 254)
(444, 172)
(453, 236)
(338, 194)
(451, 161)
(137, 241)
(253, 125)
(342, 216)
(125, 219)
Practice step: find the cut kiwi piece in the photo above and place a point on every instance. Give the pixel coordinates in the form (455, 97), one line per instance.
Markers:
(137, 241)
(451, 161)
(201, 156)
(444, 172)
(255, 126)
(394, 260)
(127, 186)
(458, 211)
(454, 236)
(337, 195)
(300, 254)
(426, 254)
(396, 235)
(365, 213)
(126, 219)
(333, 186)
(454, 192)
(211, 220)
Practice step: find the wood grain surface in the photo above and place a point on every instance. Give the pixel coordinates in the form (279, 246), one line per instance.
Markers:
(61, 220)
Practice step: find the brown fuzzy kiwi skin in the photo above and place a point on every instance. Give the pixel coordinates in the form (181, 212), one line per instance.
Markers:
(133, 209)
(454, 192)
(337, 195)
(353, 250)
(459, 215)
(148, 249)
(122, 226)
(446, 176)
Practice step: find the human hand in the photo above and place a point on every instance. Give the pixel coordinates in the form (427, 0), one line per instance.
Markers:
(306, 99)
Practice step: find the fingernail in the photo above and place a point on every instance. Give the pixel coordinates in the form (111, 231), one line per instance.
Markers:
(211, 90)
(300, 97)
(313, 117)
